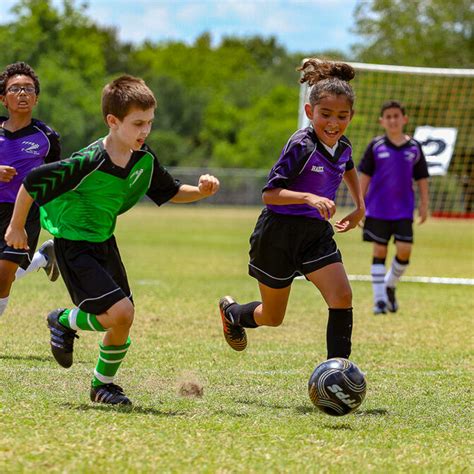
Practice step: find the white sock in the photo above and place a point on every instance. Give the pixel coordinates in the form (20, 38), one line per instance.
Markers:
(396, 271)
(39, 261)
(378, 284)
(3, 304)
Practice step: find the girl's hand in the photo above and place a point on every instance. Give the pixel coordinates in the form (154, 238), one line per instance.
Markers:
(325, 206)
(208, 185)
(16, 238)
(7, 173)
(350, 221)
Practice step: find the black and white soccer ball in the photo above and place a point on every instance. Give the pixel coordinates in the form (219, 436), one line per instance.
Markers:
(337, 387)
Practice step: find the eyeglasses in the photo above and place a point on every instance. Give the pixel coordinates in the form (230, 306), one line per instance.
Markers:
(26, 89)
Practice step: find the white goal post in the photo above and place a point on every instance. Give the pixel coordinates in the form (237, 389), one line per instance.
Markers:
(440, 106)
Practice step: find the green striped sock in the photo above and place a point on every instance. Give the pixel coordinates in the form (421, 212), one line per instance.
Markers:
(110, 358)
(78, 319)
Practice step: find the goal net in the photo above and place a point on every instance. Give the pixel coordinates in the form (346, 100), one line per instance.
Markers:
(440, 107)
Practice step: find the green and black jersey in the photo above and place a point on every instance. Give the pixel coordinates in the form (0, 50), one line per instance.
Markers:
(81, 197)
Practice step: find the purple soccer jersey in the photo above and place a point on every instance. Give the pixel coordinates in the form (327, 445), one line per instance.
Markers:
(305, 165)
(392, 170)
(24, 150)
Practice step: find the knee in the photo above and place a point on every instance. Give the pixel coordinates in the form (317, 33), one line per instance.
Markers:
(6, 282)
(343, 298)
(123, 314)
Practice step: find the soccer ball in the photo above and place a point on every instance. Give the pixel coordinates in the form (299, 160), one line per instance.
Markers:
(337, 387)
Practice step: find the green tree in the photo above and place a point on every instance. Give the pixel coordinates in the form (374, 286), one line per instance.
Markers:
(431, 33)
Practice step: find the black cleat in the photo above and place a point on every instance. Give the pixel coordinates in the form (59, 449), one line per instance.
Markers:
(234, 333)
(392, 304)
(51, 268)
(380, 307)
(62, 339)
(110, 394)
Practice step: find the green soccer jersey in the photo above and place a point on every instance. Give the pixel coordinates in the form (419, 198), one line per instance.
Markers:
(81, 197)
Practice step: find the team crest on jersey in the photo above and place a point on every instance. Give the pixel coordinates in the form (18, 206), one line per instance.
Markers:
(317, 169)
(134, 176)
(31, 147)
(409, 155)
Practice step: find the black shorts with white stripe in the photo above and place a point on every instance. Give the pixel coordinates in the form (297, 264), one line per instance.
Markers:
(283, 247)
(32, 227)
(381, 230)
(93, 273)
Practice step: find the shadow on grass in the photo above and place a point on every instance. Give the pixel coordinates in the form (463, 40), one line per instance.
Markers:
(134, 409)
(372, 412)
(28, 357)
(264, 404)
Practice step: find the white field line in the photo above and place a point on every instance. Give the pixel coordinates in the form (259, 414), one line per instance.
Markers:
(422, 279)
(408, 279)
(417, 279)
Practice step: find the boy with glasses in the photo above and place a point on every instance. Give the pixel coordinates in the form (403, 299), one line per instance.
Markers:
(25, 143)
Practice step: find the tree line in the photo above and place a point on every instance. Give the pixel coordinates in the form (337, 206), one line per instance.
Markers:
(230, 105)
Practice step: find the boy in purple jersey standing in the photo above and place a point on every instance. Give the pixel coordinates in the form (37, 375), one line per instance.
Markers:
(25, 143)
(293, 235)
(387, 170)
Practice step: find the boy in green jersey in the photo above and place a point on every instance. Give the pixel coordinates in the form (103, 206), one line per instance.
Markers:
(80, 199)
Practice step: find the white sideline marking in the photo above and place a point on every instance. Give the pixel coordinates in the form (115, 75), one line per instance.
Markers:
(408, 279)
(417, 279)
(422, 279)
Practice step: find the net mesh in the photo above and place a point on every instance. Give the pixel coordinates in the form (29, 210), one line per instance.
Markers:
(438, 98)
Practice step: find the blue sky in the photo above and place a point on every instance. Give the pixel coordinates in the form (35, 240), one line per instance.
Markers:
(299, 25)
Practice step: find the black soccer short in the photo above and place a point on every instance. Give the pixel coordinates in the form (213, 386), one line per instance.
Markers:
(381, 230)
(32, 226)
(93, 273)
(283, 247)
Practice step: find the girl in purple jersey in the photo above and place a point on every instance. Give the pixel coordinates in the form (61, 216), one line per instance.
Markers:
(387, 170)
(293, 235)
(25, 143)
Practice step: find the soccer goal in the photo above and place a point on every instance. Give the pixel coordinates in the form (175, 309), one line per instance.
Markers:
(440, 106)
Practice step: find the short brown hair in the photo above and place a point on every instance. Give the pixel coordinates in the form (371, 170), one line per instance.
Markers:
(18, 69)
(125, 92)
(392, 104)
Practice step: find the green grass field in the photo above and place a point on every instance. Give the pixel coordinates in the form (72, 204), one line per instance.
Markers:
(255, 414)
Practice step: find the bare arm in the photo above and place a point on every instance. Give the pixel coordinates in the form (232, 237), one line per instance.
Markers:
(351, 220)
(281, 196)
(364, 181)
(424, 200)
(15, 236)
(207, 186)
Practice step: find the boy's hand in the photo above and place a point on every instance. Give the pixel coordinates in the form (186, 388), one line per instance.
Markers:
(16, 238)
(422, 213)
(208, 185)
(7, 173)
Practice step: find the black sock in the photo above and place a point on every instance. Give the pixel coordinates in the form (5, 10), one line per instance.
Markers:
(243, 313)
(377, 260)
(339, 332)
(402, 262)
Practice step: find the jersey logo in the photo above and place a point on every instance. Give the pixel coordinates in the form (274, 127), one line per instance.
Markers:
(409, 155)
(317, 169)
(134, 177)
(383, 154)
(31, 147)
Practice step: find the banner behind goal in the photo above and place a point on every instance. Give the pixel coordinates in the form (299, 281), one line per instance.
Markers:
(440, 107)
